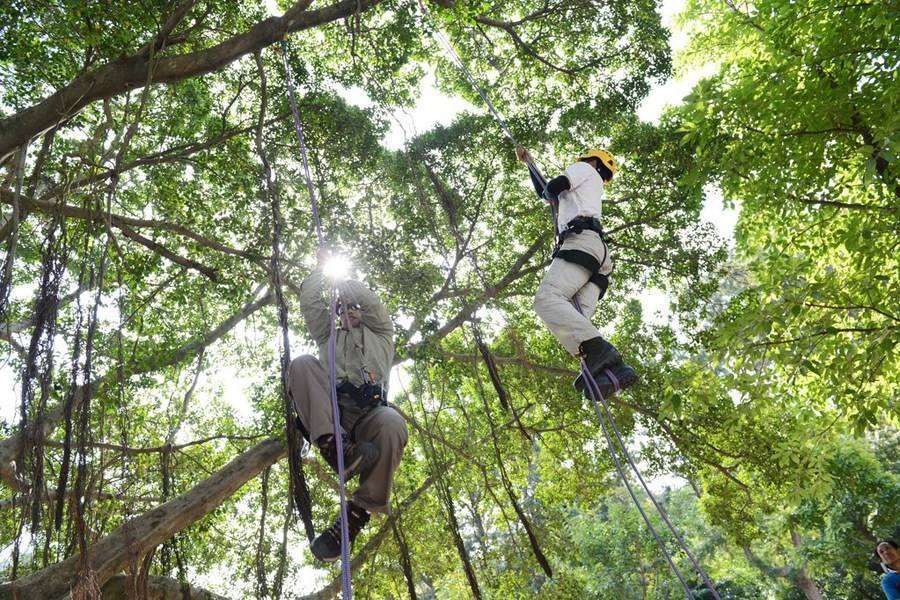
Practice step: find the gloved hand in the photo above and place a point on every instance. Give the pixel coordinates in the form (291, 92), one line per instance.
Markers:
(523, 155)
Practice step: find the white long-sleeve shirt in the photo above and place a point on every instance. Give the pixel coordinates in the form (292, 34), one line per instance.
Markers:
(585, 195)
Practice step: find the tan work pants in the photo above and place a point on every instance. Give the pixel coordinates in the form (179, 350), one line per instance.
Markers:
(563, 282)
(382, 426)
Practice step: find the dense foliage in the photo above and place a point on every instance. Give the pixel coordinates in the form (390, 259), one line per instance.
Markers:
(140, 326)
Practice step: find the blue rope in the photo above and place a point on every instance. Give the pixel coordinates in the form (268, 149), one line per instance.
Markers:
(332, 378)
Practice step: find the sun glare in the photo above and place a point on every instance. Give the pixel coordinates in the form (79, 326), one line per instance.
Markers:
(272, 8)
(337, 267)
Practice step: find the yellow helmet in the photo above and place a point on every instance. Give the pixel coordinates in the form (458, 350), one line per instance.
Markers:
(607, 159)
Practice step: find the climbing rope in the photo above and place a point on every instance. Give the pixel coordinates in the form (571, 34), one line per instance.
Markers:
(332, 379)
(595, 394)
(458, 61)
(299, 491)
(597, 398)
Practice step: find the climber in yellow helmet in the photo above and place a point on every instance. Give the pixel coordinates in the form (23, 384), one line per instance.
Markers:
(581, 267)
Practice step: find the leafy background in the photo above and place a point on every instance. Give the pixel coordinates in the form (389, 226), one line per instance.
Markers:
(767, 411)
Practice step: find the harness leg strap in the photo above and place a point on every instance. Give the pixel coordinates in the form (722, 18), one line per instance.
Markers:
(583, 259)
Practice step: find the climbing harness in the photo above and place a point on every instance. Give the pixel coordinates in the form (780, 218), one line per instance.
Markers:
(332, 383)
(366, 396)
(586, 260)
(576, 226)
(580, 257)
(597, 400)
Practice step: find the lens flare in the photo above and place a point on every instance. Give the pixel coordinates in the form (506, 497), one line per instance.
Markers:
(337, 267)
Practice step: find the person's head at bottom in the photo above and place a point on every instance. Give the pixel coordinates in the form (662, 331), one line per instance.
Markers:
(889, 552)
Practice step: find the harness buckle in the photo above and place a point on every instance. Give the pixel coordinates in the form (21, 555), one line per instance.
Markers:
(576, 226)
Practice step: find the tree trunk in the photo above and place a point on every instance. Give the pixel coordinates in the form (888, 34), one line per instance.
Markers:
(158, 588)
(136, 537)
(797, 575)
(809, 587)
(801, 579)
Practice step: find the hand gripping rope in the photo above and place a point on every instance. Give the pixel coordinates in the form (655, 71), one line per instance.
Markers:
(332, 383)
(597, 400)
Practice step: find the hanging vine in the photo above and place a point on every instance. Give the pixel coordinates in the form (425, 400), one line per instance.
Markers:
(38, 369)
(507, 484)
(405, 560)
(299, 491)
(262, 586)
(69, 400)
(14, 218)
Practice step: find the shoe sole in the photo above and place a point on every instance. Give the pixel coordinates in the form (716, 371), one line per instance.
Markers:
(327, 560)
(624, 383)
(324, 559)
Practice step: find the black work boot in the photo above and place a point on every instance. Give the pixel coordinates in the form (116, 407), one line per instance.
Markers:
(598, 355)
(327, 546)
(615, 379)
(357, 456)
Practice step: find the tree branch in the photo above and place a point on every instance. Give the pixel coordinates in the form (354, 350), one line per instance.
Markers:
(827, 331)
(122, 221)
(513, 360)
(130, 72)
(110, 554)
(158, 588)
(161, 38)
(510, 30)
(164, 447)
(158, 248)
(465, 313)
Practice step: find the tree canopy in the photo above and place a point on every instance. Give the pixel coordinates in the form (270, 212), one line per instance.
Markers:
(149, 170)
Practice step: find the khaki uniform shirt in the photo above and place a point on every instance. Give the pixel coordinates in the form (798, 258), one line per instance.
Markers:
(359, 351)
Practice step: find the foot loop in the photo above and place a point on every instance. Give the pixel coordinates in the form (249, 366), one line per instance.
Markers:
(614, 380)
